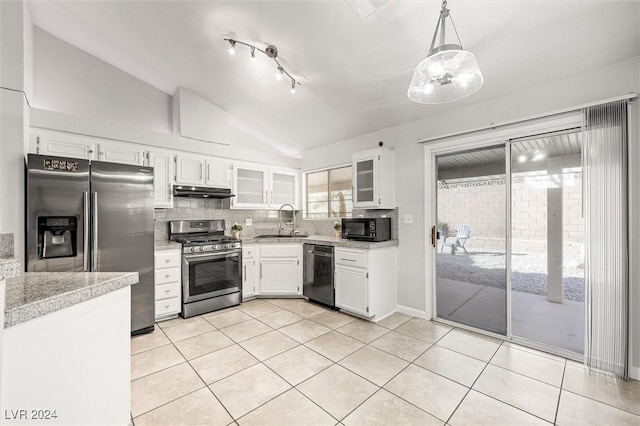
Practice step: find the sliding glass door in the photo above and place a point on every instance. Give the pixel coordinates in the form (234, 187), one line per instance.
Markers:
(471, 271)
(547, 228)
(510, 253)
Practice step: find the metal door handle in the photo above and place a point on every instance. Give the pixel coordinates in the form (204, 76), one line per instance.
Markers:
(208, 172)
(167, 260)
(94, 267)
(261, 271)
(348, 260)
(245, 273)
(167, 291)
(200, 170)
(167, 306)
(85, 248)
(433, 236)
(167, 275)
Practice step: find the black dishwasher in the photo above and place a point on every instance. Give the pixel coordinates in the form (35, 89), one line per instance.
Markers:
(318, 274)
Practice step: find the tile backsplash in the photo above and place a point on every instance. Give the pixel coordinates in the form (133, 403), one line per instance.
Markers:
(6, 246)
(263, 221)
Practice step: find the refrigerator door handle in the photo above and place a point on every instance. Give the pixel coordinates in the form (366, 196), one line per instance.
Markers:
(85, 246)
(94, 250)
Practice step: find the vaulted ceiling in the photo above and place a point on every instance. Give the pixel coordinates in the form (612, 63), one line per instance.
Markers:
(354, 72)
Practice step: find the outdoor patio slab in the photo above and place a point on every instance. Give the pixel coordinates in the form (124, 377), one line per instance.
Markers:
(560, 325)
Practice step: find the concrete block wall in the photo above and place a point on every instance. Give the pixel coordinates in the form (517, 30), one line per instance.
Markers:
(480, 203)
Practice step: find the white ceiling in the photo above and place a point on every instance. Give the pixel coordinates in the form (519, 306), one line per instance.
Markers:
(354, 73)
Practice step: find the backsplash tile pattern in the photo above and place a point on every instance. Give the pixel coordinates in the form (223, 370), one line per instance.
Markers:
(264, 221)
(6, 246)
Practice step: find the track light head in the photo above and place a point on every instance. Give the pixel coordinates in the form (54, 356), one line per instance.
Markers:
(232, 48)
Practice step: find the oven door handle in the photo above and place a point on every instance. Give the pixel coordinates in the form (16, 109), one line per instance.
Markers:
(211, 256)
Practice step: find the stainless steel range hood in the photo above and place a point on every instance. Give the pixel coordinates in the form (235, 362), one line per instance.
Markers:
(201, 192)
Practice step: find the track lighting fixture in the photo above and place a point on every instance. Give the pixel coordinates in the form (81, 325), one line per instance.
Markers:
(270, 51)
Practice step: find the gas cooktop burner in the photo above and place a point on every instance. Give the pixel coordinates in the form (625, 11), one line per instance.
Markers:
(202, 236)
(188, 239)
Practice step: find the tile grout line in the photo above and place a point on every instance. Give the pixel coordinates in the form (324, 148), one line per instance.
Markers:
(472, 384)
(564, 371)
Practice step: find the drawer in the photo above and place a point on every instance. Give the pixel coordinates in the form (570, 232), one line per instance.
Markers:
(165, 276)
(281, 250)
(354, 258)
(167, 307)
(249, 252)
(167, 291)
(167, 259)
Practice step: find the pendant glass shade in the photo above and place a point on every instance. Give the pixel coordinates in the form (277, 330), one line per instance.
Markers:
(447, 75)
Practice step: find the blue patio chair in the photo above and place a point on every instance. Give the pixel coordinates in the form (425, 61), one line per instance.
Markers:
(463, 234)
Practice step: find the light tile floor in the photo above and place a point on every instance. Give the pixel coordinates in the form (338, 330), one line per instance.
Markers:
(289, 362)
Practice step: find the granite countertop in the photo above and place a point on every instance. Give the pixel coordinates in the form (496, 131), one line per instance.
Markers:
(35, 294)
(167, 245)
(324, 239)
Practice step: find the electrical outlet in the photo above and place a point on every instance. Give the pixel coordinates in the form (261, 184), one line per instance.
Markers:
(248, 222)
(408, 218)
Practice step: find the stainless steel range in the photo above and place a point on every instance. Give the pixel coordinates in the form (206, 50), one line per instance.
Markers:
(211, 266)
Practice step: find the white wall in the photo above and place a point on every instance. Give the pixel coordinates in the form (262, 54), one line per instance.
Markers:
(613, 80)
(69, 80)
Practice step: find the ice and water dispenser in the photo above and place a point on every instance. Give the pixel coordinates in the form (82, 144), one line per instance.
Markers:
(57, 236)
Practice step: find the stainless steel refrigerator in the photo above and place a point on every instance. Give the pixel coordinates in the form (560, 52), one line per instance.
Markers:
(94, 216)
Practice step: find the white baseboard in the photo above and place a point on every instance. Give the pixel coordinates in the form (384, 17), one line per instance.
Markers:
(413, 312)
(634, 373)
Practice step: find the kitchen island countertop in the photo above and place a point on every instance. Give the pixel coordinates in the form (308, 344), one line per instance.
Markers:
(35, 294)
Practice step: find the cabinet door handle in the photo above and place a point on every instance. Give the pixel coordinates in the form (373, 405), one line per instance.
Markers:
(261, 271)
(167, 275)
(200, 170)
(208, 172)
(348, 260)
(167, 291)
(245, 273)
(167, 306)
(167, 260)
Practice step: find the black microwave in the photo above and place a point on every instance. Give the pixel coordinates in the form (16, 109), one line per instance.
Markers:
(367, 229)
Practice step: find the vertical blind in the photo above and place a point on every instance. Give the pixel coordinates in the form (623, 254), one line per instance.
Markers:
(604, 158)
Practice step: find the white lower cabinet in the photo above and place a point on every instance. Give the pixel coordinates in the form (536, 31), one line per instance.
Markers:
(250, 261)
(280, 270)
(366, 281)
(167, 284)
(351, 289)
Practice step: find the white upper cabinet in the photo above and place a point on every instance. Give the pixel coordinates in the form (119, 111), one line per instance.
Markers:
(61, 144)
(283, 187)
(218, 173)
(189, 169)
(373, 179)
(162, 163)
(123, 153)
(257, 186)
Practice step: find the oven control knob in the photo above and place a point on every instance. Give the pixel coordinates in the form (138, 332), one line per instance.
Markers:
(197, 249)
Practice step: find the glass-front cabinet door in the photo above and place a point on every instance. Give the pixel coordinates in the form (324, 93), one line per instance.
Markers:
(283, 188)
(364, 182)
(250, 185)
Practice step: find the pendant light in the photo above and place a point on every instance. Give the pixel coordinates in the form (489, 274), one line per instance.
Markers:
(448, 73)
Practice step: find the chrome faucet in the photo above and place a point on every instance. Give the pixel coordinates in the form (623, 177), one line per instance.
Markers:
(293, 213)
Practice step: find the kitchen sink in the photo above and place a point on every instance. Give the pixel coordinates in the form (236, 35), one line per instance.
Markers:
(280, 236)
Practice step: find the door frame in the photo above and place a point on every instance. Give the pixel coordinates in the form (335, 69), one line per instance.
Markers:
(476, 140)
